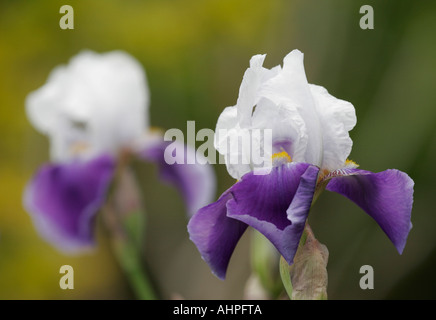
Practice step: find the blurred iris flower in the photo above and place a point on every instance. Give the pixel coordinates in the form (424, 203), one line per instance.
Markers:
(310, 147)
(95, 110)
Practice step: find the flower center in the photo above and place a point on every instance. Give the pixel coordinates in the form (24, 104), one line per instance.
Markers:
(78, 147)
(280, 158)
(326, 175)
(350, 164)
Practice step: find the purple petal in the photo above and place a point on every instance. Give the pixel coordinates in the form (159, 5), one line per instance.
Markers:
(276, 204)
(216, 235)
(386, 196)
(195, 181)
(64, 198)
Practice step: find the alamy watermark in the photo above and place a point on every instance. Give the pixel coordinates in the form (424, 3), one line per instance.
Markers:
(67, 280)
(367, 280)
(367, 20)
(67, 20)
(236, 146)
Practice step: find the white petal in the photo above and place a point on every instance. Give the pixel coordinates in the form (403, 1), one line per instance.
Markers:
(337, 118)
(253, 78)
(306, 122)
(228, 143)
(97, 100)
(41, 107)
(288, 128)
(291, 89)
(237, 120)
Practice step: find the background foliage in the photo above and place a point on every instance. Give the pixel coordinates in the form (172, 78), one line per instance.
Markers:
(195, 53)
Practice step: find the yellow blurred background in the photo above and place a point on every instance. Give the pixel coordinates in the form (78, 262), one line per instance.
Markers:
(195, 53)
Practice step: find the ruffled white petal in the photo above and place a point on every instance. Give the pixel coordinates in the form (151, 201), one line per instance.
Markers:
(234, 137)
(96, 103)
(337, 117)
(228, 143)
(253, 78)
(291, 89)
(308, 123)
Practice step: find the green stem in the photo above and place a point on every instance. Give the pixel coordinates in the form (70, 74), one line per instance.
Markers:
(130, 261)
(125, 220)
(126, 244)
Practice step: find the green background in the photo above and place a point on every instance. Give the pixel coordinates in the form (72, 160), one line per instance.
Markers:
(195, 53)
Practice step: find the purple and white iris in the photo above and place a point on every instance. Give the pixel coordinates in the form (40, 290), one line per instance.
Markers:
(310, 147)
(94, 109)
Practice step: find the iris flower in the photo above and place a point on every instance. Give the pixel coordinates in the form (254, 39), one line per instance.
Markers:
(94, 110)
(310, 149)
